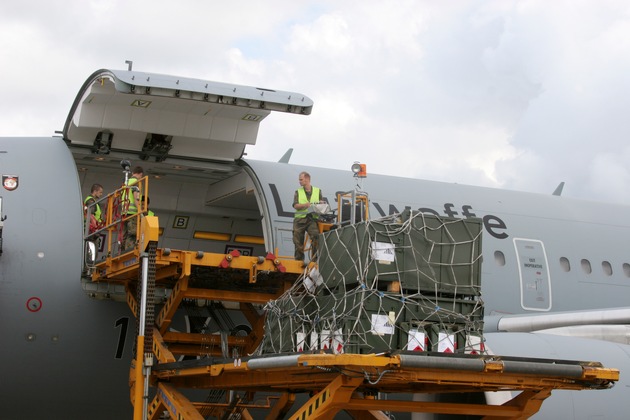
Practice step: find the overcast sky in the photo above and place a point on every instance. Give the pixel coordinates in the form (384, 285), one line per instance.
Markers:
(508, 94)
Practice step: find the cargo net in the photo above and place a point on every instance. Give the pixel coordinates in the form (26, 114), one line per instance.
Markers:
(407, 282)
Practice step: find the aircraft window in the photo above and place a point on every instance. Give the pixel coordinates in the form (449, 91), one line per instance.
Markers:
(607, 268)
(586, 266)
(626, 269)
(499, 258)
(565, 264)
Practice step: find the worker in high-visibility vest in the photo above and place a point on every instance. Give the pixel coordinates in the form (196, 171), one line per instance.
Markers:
(91, 206)
(305, 221)
(131, 201)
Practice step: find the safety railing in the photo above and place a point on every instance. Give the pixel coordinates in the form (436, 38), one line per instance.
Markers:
(118, 225)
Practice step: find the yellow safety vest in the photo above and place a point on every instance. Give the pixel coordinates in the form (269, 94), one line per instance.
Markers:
(127, 197)
(97, 208)
(300, 214)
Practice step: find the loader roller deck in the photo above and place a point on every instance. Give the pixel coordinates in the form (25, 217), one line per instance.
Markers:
(352, 382)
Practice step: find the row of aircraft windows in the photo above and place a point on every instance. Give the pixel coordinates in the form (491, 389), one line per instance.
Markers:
(585, 264)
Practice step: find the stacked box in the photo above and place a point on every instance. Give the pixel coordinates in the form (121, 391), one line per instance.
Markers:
(366, 321)
(377, 322)
(373, 253)
(421, 251)
(459, 243)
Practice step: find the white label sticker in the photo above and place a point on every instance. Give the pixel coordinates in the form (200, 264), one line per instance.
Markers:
(381, 325)
(383, 251)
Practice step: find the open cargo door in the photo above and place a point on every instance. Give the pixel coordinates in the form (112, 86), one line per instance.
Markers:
(158, 117)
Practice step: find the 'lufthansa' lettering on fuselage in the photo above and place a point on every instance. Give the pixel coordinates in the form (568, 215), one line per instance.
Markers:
(494, 225)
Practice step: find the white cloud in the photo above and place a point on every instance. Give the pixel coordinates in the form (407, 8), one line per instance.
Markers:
(608, 175)
(517, 94)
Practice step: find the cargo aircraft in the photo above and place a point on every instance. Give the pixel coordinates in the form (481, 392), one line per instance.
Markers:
(555, 275)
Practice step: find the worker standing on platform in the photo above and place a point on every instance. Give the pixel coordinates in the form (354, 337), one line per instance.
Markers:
(131, 201)
(305, 221)
(92, 209)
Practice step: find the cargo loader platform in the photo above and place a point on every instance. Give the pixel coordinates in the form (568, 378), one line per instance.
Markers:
(172, 367)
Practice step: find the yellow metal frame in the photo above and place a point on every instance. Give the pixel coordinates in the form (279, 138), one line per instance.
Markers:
(350, 381)
(174, 268)
(359, 198)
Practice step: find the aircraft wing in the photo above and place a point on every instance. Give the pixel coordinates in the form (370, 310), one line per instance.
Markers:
(611, 325)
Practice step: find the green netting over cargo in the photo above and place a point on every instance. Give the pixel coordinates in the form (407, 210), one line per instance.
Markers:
(408, 282)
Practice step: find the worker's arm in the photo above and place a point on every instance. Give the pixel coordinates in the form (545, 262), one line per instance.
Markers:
(297, 205)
